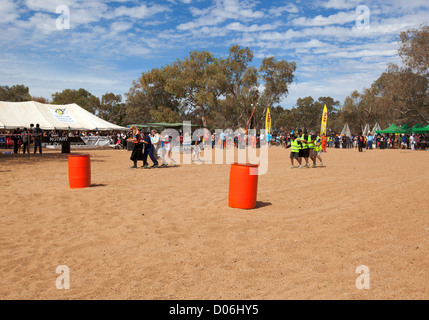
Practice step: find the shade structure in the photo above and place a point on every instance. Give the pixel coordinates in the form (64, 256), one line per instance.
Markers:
(376, 128)
(422, 130)
(160, 125)
(171, 125)
(143, 126)
(406, 129)
(346, 130)
(366, 130)
(417, 126)
(49, 117)
(393, 128)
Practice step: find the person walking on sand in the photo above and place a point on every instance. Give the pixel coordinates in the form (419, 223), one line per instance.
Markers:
(137, 153)
(317, 150)
(148, 151)
(294, 151)
(157, 146)
(324, 142)
(167, 150)
(196, 149)
(305, 151)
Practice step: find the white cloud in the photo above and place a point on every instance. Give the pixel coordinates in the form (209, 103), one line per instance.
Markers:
(220, 12)
(140, 12)
(278, 11)
(341, 4)
(338, 18)
(237, 26)
(8, 11)
(43, 23)
(120, 26)
(46, 5)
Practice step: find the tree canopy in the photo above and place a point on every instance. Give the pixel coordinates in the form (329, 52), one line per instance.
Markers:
(16, 93)
(214, 91)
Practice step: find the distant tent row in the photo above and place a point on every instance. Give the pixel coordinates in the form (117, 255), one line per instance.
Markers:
(367, 129)
(393, 128)
(347, 132)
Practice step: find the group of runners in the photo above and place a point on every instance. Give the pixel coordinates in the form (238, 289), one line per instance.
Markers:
(306, 146)
(152, 145)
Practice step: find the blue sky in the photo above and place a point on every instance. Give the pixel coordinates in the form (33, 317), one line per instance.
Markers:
(110, 43)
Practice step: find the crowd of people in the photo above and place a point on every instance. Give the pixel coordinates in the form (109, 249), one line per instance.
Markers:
(368, 142)
(23, 138)
(305, 146)
(156, 147)
(159, 149)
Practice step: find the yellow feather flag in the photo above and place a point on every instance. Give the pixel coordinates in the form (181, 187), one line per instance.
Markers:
(268, 121)
(324, 121)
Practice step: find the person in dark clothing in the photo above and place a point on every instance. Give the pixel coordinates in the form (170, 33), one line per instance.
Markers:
(38, 138)
(148, 151)
(361, 141)
(15, 139)
(137, 153)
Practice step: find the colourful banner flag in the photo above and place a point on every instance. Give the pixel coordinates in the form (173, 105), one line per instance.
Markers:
(324, 121)
(268, 121)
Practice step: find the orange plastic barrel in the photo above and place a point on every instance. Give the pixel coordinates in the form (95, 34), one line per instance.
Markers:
(79, 171)
(243, 186)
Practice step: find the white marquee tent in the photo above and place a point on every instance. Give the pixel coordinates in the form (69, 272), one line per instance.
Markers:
(346, 131)
(376, 128)
(49, 116)
(367, 130)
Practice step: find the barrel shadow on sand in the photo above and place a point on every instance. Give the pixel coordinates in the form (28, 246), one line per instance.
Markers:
(262, 204)
(95, 185)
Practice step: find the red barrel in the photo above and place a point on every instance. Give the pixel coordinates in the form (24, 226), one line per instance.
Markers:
(243, 186)
(79, 171)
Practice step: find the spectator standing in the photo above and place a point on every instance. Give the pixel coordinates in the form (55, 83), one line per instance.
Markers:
(370, 140)
(361, 141)
(37, 138)
(16, 138)
(25, 138)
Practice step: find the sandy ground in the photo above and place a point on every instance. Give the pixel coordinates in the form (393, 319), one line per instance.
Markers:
(169, 233)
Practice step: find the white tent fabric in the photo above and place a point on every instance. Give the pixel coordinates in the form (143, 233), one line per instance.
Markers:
(49, 117)
(367, 130)
(346, 131)
(376, 128)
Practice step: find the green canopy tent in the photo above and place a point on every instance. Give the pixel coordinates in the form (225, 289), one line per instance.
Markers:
(393, 128)
(406, 129)
(422, 130)
(417, 126)
(143, 126)
(170, 125)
